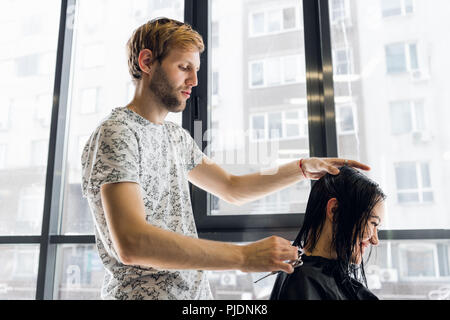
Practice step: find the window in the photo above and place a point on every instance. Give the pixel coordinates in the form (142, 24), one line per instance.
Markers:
(396, 7)
(2, 156)
(27, 65)
(277, 71)
(39, 152)
(215, 35)
(43, 109)
(289, 124)
(93, 84)
(401, 57)
(339, 10)
(275, 20)
(342, 61)
(5, 114)
(345, 119)
(413, 182)
(407, 117)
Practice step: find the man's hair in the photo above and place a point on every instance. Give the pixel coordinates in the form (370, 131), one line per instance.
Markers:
(160, 35)
(356, 197)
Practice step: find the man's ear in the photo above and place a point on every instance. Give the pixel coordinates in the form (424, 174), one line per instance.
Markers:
(331, 208)
(145, 60)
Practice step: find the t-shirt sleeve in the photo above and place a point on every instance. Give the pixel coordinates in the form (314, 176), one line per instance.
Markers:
(193, 154)
(111, 155)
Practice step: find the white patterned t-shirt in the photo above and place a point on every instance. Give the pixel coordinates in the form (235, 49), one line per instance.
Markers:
(126, 147)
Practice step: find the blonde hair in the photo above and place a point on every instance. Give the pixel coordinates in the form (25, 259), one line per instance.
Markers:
(160, 35)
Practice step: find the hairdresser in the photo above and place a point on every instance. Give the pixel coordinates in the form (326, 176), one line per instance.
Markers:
(135, 172)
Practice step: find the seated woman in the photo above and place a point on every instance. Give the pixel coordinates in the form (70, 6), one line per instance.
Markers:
(341, 220)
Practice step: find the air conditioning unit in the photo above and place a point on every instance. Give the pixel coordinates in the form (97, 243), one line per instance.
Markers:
(228, 279)
(421, 136)
(388, 275)
(419, 75)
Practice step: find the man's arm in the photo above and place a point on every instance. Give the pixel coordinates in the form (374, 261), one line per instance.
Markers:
(243, 189)
(139, 243)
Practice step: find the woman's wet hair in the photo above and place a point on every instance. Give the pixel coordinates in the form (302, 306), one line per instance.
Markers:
(356, 197)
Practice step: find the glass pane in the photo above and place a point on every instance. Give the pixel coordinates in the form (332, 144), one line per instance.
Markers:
(409, 270)
(420, 116)
(275, 126)
(395, 270)
(425, 171)
(276, 61)
(413, 57)
(18, 271)
(391, 7)
(258, 23)
(401, 118)
(289, 18)
(395, 58)
(388, 104)
(406, 175)
(409, 6)
(79, 273)
(273, 23)
(28, 38)
(101, 82)
(257, 75)
(408, 197)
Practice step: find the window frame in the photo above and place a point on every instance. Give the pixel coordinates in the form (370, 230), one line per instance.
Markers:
(321, 130)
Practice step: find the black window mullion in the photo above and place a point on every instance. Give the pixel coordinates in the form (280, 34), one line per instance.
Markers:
(319, 79)
(55, 162)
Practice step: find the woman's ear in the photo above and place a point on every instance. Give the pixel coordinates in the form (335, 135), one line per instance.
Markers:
(331, 208)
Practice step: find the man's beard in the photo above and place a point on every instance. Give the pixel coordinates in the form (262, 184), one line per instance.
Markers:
(166, 93)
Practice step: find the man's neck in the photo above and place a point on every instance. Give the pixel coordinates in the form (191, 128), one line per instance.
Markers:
(148, 107)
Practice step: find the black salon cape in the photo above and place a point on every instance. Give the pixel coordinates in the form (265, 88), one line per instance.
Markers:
(318, 279)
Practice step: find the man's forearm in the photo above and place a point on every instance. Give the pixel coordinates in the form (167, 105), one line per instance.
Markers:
(162, 249)
(251, 187)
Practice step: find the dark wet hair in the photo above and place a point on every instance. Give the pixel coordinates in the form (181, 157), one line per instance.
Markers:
(356, 197)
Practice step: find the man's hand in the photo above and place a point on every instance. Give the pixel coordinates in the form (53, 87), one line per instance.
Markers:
(316, 168)
(269, 254)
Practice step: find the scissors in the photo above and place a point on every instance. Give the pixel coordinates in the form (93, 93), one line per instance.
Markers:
(297, 263)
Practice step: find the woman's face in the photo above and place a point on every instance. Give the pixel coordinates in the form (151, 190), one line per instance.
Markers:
(370, 236)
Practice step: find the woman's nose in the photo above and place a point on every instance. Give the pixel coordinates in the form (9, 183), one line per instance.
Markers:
(374, 239)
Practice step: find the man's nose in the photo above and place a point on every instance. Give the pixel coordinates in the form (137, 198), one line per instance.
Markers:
(192, 80)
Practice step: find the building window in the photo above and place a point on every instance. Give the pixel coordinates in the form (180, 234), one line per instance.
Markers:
(89, 100)
(407, 117)
(343, 61)
(413, 182)
(3, 156)
(421, 261)
(401, 57)
(391, 8)
(339, 10)
(273, 21)
(5, 114)
(275, 125)
(215, 83)
(288, 124)
(39, 152)
(345, 119)
(43, 110)
(277, 71)
(215, 34)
